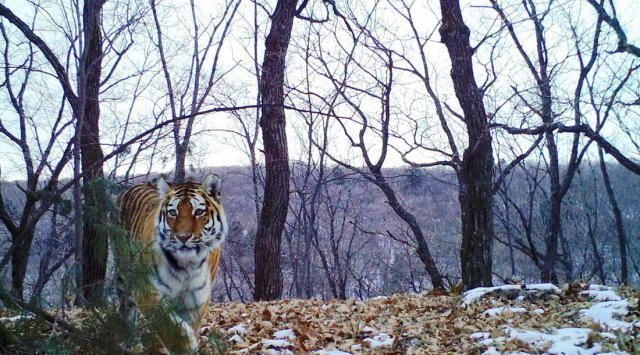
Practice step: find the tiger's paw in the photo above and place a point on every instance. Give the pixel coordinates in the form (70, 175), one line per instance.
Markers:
(189, 334)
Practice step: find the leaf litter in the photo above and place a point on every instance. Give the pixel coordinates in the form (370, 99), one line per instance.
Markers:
(511, 319)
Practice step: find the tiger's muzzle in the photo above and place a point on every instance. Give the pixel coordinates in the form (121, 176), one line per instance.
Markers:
(184, 237)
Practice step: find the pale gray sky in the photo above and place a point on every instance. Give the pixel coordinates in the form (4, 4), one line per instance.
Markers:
(240, 84)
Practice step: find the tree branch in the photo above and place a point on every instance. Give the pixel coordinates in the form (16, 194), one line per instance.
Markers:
(61, 73)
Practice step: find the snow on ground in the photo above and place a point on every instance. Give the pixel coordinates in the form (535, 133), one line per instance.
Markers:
(601, 293)
(276, 352)
(236, 334)
(285, 334)
(236, 339)
(609, 308)
(500, 310)
(276, 343)
(514, 319)
(329, 352)
(567, 341)
(15, 318)
(239, 329)
(480, 336)
(604, 313)
(379, 341)
(477, 293)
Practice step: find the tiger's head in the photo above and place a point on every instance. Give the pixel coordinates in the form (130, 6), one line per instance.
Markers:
(191, 222)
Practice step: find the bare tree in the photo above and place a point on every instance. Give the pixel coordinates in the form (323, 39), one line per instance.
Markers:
(612, 20)
(617, 215)
(39, 158)
(90, 67)
(475, 174)
(548, 106)
(543, 73)
(84, 101)
(340, 248)
(268, 276)
(189, 92)
(349, 95)
(94, 237)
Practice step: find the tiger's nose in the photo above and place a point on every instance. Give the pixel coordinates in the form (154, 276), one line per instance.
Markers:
(184, 237)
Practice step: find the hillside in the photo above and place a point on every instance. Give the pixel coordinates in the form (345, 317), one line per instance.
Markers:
(579, 319)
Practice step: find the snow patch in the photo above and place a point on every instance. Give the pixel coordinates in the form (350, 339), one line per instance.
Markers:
(276, 352)
(276, 343)
(285, 334)
(477, 293)
(236, 339)
(368, 329)
(329, 352)
(542, 287)
(480, 335)
(567, 341)
(491, 351)
(604, 313)
(601, 293)
(493, 312)
(379, 341)
(15, 318)
(237, 329)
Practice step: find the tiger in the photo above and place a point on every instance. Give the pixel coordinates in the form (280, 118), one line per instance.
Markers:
(182, 228)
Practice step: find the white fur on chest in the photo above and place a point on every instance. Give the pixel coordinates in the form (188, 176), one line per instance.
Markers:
(184, 281)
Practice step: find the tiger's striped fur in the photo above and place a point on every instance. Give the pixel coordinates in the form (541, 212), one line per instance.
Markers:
(183, 227)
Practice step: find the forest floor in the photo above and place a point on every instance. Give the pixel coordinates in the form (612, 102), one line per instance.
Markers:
(578, 319)
(534, 319)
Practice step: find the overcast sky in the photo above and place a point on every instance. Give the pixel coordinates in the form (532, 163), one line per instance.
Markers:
(220, 148)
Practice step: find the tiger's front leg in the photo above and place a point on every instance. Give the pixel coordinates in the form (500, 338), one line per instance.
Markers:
(170, 333)
(186, 341)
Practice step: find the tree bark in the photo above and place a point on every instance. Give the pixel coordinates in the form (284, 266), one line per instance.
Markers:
(268, 275)
(475, 175)
(94, 242)
(180, 170)
(554, 225)
(422, 248)
(86, 111)
(617, 215)
(19, 262)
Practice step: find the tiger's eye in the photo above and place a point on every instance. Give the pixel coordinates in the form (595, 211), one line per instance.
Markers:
(199, 212)
(173, 213)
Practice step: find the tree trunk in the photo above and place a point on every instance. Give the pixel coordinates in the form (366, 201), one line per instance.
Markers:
(180, 170)
(617, 215)
(596, 254)
(422, 248)
(475, 175)
(507, 216)
(554, 223)
(19, 263)
(94, 243)
(548, 272)
(268, 275)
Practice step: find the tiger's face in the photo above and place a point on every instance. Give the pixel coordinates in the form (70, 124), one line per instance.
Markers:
(191, 222)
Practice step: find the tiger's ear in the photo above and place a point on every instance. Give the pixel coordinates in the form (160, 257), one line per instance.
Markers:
(163, 187)
(212, 185)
